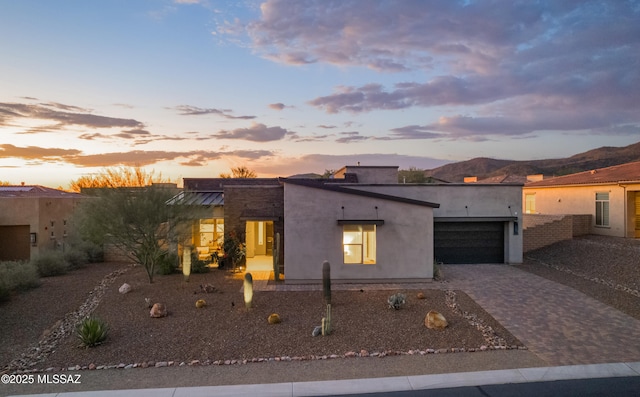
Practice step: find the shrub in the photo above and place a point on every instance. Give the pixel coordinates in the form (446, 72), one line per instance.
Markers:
(50, 263)
(167, 264)
(18, 276)
(92, 332)
(76, 258)
(199, 266)
(396, 301)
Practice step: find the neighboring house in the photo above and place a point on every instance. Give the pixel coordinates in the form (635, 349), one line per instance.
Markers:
(369, 227)
(611, 195)
(34, 219)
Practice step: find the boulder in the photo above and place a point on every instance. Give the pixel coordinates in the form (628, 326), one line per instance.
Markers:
(435, 320)
(124, 288)
(158, 310)
(200, 303)
(274, 319)
(420, 295)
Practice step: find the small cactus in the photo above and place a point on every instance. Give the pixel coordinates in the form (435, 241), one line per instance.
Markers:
(274, 318)
(326, 322)
(326, 282)
(248, 290)
(396, 301)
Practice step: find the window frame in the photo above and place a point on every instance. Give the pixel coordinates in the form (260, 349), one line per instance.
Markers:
(363, 243)
(602, 212)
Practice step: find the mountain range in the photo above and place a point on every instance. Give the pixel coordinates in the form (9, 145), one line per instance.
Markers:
(483, 167)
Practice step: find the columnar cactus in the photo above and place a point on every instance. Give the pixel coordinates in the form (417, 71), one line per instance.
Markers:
(326, 281)
(326, 322)
(276, 257)
(248, 290)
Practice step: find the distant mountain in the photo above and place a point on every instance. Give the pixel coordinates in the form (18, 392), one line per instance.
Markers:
(483, 167)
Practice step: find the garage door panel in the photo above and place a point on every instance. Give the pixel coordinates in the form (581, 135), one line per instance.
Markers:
(469, 242)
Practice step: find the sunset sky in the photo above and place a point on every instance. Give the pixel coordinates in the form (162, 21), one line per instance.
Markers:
(190, 88)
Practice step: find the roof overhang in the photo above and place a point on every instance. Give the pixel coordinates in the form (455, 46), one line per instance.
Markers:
(475, 218)
(377, 222)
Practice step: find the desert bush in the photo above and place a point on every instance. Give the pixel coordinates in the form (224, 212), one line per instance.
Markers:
(396, 301)
(197, 265)
(17, 276)
(76, 258)
(50, 263)
(92, 332)
(168, 264)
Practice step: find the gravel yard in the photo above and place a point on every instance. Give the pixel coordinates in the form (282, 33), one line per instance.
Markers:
(604, 268)
(224, 330)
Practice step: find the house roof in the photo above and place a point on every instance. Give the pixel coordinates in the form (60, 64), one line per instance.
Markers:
(505, 178)
(629, 172)
(197, 198)
(34, 191)
(218, 184)
(318, 184)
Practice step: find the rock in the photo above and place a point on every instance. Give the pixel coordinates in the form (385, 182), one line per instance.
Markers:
(274, 319)
(158, 310)
(207, 288)
(435, 320)
(316, 331)
(124, 288)
(200, 303)
(420, 295)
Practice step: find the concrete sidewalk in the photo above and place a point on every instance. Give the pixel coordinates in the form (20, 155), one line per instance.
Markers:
(388, 384)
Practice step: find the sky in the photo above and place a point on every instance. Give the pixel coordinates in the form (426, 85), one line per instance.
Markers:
(191, 88)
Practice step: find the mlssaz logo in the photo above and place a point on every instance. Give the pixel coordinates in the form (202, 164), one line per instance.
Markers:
(59, 378)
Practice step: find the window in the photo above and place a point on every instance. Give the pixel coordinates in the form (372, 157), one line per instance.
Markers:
(359, 244)
(602, 209)
(530, 203)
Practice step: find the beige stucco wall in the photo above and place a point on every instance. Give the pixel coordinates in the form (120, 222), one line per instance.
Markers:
(581, 200)
(468, 200)
(404, 243)
(39, 213)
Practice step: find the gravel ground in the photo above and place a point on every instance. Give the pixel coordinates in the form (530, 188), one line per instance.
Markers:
(604, 268)
(225, 330)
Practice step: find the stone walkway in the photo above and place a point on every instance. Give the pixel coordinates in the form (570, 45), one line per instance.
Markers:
(557, 323)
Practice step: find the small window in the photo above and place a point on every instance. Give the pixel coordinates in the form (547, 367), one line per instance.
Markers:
(602, 209)
(530, 203)
(359, 244)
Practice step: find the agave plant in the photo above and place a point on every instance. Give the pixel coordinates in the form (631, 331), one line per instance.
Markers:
(92, 332)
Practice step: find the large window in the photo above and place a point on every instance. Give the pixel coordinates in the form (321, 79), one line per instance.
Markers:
(530, 203)
(359, 244)
(602, 209)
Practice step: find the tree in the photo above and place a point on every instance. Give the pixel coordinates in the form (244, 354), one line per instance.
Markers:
(118, 177)
(136, 220)
(412, 175)
(240, 172)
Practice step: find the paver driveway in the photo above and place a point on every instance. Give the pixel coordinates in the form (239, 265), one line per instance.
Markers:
(559, 324)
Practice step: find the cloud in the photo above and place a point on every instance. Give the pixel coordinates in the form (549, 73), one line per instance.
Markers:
(136, 157)
(277, 106)
(34, 152)
(11, 112)
(186, 110)
(351, 136)
(516, 68)
(257, 133)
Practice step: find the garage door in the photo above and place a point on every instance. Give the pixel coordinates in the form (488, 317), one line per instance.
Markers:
(468, 242)
(14, 243)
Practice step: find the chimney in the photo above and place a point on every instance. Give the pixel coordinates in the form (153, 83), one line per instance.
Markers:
(535, 178)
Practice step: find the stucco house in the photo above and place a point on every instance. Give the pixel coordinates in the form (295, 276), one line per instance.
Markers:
(34, 219)
(611, 195)
(367, 225)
